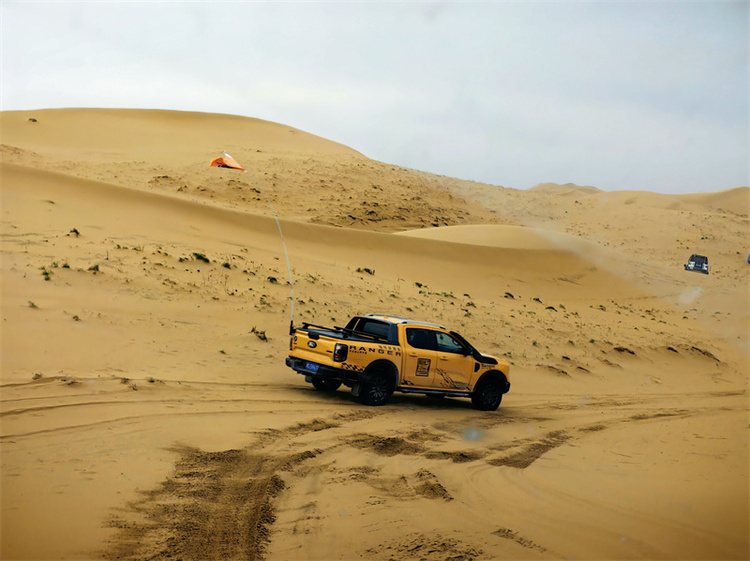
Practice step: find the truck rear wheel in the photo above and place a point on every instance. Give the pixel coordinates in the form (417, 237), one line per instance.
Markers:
(487, 394)
(324, 385)
(376, 389)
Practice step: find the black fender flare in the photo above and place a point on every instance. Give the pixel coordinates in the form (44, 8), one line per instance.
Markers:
(381, 365)
(493, 374)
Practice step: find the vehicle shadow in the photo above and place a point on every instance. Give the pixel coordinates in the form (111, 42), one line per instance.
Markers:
(343, 395)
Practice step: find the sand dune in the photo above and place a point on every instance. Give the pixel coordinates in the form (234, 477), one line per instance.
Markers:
(515, 237)
(735, 200)
(170, 151)
(147, 412)
(159, 135)
(564, 190)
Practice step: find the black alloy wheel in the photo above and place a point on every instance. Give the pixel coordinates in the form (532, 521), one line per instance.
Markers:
(487, 395)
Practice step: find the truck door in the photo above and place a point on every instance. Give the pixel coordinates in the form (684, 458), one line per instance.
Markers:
(420, 358)
(454, 365)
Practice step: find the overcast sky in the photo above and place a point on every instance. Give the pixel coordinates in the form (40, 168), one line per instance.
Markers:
(622, 96)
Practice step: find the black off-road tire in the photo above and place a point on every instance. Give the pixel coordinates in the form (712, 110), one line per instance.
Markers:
(487, 394)
(376, 389)
(325, 385)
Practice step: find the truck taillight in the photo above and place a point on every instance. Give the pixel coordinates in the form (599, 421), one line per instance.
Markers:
(340, 352)
(291, 342)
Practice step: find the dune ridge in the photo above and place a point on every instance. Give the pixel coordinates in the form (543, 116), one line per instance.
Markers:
(145, 325)
(565, 190)
(517, 237)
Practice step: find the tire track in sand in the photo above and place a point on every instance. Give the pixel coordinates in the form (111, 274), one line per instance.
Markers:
(215, 505)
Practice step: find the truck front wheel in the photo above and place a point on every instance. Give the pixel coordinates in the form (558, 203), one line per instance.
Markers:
(376, 389)
(487, 394)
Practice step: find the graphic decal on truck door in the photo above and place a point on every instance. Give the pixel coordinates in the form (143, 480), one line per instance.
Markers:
(423, 367)
(454, 364)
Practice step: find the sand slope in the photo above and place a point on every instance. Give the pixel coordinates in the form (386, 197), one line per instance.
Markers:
(169, 151)
(147, 412)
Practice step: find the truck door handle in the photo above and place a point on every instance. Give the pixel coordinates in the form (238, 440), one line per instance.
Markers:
(443, 357)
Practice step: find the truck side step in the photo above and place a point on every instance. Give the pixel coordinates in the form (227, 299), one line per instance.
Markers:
(434, 392)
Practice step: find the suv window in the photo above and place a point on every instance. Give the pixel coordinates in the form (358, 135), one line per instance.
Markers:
(420, 338)
(448, 344)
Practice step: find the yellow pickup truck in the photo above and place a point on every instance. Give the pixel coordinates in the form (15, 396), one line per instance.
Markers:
(376, 355)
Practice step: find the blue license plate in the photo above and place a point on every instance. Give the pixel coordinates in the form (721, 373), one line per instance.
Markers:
(311, 366)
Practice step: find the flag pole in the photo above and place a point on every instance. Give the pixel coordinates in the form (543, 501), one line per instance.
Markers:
(288, 264)
(283, 243)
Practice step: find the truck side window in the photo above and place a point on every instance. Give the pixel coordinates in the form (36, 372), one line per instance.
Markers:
(420, 338)
(447, 344)
(373, 327)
